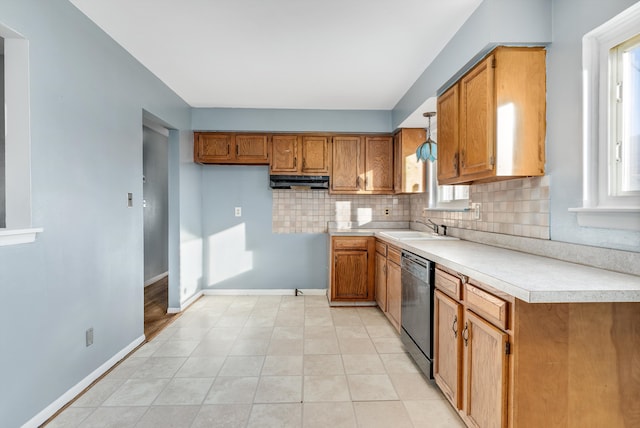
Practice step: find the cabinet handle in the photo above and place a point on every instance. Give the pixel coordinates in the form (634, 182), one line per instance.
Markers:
(384, 269)
(465, 334)
(462, 158)
(237, 151)
(455, 163)
(295, 162)
(358, 182)
(454, 327)
(228, 149)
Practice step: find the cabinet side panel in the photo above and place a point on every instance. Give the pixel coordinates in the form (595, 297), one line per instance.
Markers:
(540, 373)
(604, 365)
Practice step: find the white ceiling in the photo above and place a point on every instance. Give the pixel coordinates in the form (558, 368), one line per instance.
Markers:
(301, 54)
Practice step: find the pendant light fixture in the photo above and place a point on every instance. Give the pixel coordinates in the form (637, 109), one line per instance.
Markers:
(428, 150)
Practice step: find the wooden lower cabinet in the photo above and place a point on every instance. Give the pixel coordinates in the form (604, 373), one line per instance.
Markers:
(352, 269)
(485, 373)
(388, 282)
(447, 326)
(508, 363)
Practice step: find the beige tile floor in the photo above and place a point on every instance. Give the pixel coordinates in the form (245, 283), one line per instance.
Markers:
(266, 361)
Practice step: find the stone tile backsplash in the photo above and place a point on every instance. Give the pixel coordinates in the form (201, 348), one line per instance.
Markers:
(300, 211)
(518, 207)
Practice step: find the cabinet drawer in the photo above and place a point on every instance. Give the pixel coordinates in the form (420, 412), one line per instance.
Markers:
(393, 254)
(448, 283)
(494, 309)
(351, 243)
(381, 248)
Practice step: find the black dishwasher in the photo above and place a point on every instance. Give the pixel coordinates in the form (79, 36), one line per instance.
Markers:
(417, 309)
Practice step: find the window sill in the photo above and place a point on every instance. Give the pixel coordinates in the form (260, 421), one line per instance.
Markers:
(449, 209)
(608, 218)
(18, 236)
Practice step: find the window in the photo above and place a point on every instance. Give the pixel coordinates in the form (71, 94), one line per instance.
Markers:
(452, 198)
(611, 129)
(625, 117)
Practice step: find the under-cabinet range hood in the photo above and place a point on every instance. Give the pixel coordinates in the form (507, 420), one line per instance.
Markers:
(299, 182)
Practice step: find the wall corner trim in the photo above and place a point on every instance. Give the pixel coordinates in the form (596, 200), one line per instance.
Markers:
(56, 405)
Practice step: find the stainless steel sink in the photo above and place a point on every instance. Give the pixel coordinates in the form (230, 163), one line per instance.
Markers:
(413, 235)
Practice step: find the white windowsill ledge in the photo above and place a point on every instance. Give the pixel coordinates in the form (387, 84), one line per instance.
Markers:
(18, 236)
(608, 218)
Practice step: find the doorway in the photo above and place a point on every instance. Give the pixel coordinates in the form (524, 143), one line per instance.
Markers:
(155, 147)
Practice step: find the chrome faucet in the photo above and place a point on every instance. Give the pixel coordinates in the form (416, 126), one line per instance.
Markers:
(432, 225)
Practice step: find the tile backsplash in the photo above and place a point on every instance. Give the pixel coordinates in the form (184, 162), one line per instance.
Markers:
(300, 211)
(518, 207)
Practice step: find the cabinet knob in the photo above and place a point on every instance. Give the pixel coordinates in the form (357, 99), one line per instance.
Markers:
(462, 159)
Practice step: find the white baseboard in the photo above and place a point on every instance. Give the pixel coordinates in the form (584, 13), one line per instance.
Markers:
(265, 292)
(185, 304)
(52, 408)
(156, 278)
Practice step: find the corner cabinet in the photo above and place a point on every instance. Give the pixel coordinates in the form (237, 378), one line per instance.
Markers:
(231, 148)
(492, 122)
(388, 282)
(409, 174)
(362, 165)
(352, 273)
(300, 154)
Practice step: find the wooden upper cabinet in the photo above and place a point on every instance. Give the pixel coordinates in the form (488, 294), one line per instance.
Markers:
(213, 148)
(284, 154)
(494, 119)
(347, 164)
(231, 148)
(378, 164)
(448, 130)
(300, 155)
(409, 174)
(315, 155)
(362, 164)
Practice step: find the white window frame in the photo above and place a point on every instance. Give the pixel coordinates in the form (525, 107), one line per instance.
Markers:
(19, 229)
(601, 207)
(436, 201)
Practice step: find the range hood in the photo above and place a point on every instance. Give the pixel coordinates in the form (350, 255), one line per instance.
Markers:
(299, 182)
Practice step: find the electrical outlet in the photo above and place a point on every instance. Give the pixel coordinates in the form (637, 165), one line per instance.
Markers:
(476, 211)
(238, 212)
(88, 335)
(386, 211)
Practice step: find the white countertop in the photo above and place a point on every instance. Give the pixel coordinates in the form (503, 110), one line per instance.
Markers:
(528, 277)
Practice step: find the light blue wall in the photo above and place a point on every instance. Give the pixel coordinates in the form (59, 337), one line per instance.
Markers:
(284, 120)
(493, 22)
(2, 169)
(242, 252)
(571, 20)
(85, 270)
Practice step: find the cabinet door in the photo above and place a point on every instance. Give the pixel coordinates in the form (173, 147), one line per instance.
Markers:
(284, 154)
(350, 276)
(394, 294)
(409, 174)
(347, 164)
(477, 120)
(448, 141)
(447, 349)
(213, 148)
(381, 281)
(315, 155)
(379, 164)
(486, 375)
(252, 149)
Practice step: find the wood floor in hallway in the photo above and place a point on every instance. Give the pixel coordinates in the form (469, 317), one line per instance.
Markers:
(156, 298)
